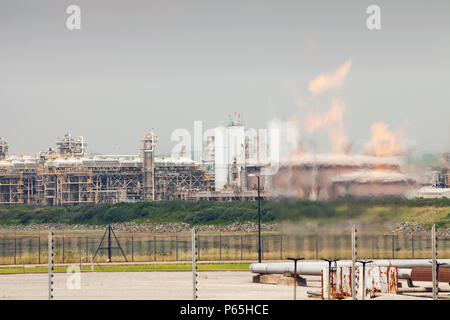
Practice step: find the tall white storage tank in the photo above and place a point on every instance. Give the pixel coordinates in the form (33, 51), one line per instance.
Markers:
(220, 158)
(229, 146)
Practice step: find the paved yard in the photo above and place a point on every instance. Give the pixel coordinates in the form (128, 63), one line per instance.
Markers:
(159, 285)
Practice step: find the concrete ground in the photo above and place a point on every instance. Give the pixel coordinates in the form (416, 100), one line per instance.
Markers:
(236, 285)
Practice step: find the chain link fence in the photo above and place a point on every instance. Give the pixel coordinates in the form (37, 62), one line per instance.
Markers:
(31, 248)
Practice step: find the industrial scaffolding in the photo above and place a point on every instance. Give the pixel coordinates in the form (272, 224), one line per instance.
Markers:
(67, 176)
(67, 185)
(179, 181)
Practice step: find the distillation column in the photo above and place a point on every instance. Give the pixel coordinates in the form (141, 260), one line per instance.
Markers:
(148, 147)
(3, 148)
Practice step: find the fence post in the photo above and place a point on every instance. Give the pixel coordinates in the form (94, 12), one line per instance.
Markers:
(262, 246)
(434, 275)
(412, 245)
(393, 246)
(281, 247)
(15, 247)
(39, 248)
(317, 248)
(154, 248)
(132, 248)
(220, 245)
(335, 246)
(373, 247)
(87, 248)
(63, 249)
(194, 266)
(176, 246)
(198, 245)
(241, 246)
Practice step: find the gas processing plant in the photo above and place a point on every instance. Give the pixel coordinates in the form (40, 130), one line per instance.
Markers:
(68, 176)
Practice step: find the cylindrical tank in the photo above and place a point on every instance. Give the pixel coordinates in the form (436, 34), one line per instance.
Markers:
(220, 159)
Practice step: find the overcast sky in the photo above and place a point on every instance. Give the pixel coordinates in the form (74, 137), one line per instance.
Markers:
(160, 64)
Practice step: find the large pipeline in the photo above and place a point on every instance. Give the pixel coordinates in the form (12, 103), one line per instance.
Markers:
(316, 267)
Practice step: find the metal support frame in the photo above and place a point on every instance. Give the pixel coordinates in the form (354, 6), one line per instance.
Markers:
(109, 230)
(363, 289)
(330, 269)
(295, 275)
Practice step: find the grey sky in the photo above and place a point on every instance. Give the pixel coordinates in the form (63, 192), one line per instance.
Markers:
(138, 65)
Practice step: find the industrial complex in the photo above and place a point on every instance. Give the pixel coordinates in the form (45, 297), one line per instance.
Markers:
(227, 169)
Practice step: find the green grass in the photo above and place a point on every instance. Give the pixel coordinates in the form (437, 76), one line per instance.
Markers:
(427, 211)
(133, 268)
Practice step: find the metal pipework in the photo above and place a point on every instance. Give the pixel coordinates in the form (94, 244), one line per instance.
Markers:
(316, 267)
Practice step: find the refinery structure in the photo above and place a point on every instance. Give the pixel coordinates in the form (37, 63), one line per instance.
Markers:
(69, 176)
(228, 169)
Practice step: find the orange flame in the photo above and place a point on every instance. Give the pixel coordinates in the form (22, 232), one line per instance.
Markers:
(383, 142)
(327, 81)
(333, 123)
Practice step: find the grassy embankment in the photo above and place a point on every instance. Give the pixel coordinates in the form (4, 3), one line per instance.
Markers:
(425, 211)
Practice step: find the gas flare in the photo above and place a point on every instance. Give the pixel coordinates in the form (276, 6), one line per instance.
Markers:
(333, 123)
(383, 142)
(327, 81)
